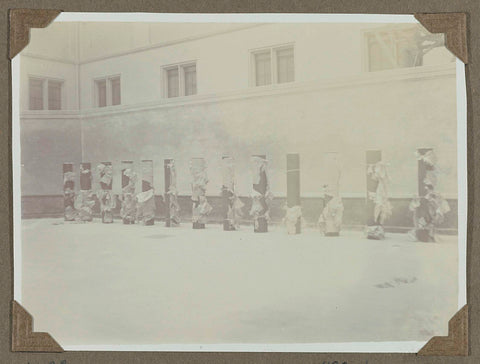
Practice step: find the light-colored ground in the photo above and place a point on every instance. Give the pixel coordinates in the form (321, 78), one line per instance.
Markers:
(129, 284)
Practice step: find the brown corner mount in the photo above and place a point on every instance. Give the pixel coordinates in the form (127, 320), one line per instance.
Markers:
(21, 20)
(453, 25)
(456, 343)
(23, 337)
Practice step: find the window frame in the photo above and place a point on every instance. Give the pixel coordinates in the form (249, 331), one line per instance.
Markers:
(366, 33)
(184, 83)
(45, 100)
(108, 90)
(273, 64)
(110, 80)
(167, 89)
(181, 78)
(60, 85)
(276, 50)
(254, 62)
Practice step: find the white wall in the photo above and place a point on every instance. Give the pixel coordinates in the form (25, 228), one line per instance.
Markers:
(333, 105)
(223, 61)
(107, 39)
(57, 41)
(322, 52)
(67, 72)
(396, 115)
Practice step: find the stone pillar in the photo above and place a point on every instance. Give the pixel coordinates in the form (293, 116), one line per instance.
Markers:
(85, 177)
(372, 158)
(128, 210)
(200, 205)
(429, 208)
(330, 220)
(260, 207)
(166, 173)
(424, 233)
(378, 207)
(231, 204)
(84, 201)
(293, 216)
(146, 199)
(423, 168)
(69, 192)
(374, 228)
(172, 208)
(104, 195)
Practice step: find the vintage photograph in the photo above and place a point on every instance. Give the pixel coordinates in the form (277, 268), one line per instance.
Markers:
(239, 182)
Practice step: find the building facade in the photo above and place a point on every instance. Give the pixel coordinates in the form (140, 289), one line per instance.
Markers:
(130, 91)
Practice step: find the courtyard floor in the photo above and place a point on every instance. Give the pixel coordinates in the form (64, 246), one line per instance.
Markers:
(118, 284)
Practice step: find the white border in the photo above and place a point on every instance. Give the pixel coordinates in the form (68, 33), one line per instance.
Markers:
(235, 18)
(462, 182)
(347, 347)
(16, 183)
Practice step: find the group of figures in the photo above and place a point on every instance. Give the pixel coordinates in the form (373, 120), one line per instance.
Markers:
(134, 207)
(428, 208)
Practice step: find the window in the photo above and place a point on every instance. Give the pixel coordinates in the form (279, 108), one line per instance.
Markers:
(180, 80)
(190, 73)
(54, 95)
(108, 91)
(263, 71)
(101, 93)
(116, 95)
(399, 47)
(285, 70)
(172, 81)
(45, 94)
(273, 65)
(36, 94)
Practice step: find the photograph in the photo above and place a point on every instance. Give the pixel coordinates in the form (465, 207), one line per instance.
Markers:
(252, 182)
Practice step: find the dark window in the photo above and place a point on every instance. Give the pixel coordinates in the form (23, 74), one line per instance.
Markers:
(172, 82)
(190, 75)
(36, 94)
(101, 93)
(285, 66)
(116, 93)
(54, 95)
(263, 71)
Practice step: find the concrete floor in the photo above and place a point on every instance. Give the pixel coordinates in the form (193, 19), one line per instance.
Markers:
(95, 283)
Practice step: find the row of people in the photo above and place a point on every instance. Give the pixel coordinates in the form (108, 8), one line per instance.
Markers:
(428, 208)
